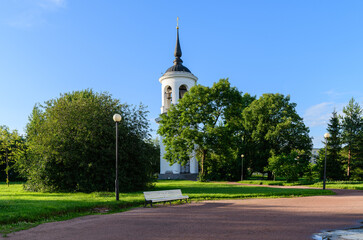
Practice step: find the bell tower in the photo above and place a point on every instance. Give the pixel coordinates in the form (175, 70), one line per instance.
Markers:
(175, 82)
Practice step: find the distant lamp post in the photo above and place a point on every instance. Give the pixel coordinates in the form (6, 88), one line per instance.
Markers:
(242, 156)
(117, 118)
(326, 136)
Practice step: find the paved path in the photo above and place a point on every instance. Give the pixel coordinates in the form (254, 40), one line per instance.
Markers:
(250, 219)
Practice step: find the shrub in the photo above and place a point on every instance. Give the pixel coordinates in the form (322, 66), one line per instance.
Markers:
(71, 143)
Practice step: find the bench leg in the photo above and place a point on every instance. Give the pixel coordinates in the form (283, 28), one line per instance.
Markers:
(148, 202)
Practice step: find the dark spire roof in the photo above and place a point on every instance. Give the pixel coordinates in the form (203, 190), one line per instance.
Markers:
(178, 66)
(177, 52)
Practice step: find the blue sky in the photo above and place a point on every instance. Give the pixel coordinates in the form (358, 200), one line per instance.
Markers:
(312, 50)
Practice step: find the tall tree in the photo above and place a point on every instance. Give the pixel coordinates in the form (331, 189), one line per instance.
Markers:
(352, 126)
(334, 164)
(357, 165)
(204, 122)
(72, 144)
(12, 147)
(272, 124)
(289, 166)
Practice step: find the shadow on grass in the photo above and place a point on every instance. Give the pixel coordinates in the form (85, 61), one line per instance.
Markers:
(244, 190)
(18, 211)
(24, 210)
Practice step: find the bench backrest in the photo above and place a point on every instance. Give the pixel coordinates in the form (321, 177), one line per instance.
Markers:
(162, 194)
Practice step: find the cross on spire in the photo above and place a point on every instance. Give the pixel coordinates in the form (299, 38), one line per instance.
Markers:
(177, 52)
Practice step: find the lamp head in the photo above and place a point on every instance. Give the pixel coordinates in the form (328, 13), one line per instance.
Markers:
(117, 117)
(242, 155)
(326, 135)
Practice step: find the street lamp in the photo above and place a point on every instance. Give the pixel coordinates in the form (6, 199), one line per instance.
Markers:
(326, 136)
(117, 118)
(242, 156)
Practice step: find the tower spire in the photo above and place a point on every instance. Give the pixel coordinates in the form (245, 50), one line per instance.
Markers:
(177, 52)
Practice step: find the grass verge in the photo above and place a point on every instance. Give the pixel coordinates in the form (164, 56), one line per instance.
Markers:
(20, 209)
(353, 185)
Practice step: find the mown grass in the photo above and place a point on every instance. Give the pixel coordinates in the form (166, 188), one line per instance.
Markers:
(208, 191)
(20, 209)
(354, 185)
(276, 183)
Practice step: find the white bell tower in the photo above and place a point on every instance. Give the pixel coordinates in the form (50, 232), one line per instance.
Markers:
(175, 82)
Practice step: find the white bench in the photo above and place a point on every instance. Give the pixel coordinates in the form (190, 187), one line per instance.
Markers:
(163, 196)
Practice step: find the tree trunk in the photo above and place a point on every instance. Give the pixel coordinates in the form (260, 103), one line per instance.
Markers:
(7, 167)
(349, 158)
(204, 152)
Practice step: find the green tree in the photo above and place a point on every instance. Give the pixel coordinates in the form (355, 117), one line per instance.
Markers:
(72, 145)
(357, 165)
(204, 122)
(224, 166)
(154, 155)
(12, 147)
(271, 123)
(289, 166)
(334, 162)
(352, 122)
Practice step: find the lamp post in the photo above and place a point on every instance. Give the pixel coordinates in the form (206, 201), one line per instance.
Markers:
(326, 136)
(117, 118)
(242, 156)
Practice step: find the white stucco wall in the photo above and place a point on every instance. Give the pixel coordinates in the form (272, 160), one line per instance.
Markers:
(175, 80)
(193, 165)
(164, 165)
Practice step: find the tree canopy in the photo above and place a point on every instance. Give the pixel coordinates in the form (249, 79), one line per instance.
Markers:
(219, 124)
(271, 124)
(12, 148)
(71, 143)
(289, 166)
(334, 160)
(352, 128)
(204, 122)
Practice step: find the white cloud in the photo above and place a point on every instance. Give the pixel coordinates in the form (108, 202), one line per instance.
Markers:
(57, 2)
(51, 4)
(320, 114)
(32, 13)
(25, 19)
(335, 95)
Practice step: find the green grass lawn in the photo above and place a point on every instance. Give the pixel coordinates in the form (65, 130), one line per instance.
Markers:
(354, 185)
(276, 182)
(20, 209)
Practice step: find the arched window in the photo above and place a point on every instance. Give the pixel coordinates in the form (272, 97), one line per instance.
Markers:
(168, 97)
(182, 90)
